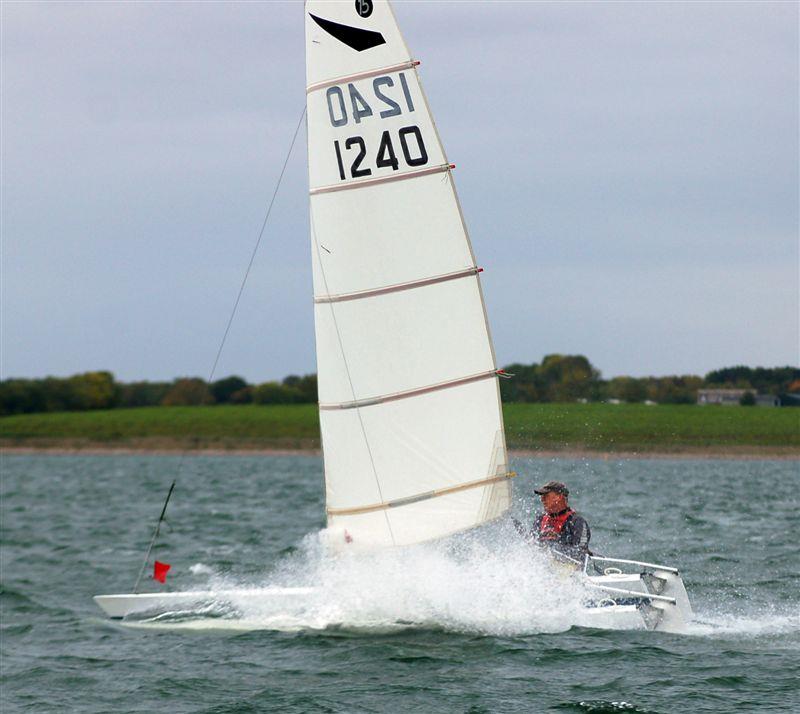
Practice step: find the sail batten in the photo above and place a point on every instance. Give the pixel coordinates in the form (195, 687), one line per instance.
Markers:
(412, 284)
(361, 183)
(362, 75)
(371, 401)
(408, 500)
(409, 403)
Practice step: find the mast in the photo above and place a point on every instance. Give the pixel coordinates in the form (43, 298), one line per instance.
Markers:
(410, 415)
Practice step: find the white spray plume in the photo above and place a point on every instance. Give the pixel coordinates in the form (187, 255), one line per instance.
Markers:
(464, 585)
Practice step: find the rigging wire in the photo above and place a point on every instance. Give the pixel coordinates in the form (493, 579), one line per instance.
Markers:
(227, 330)
(318, 245)
(258, 243)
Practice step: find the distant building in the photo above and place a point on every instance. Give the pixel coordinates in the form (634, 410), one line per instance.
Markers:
(767, 400)
(732, 397)
(720, 396)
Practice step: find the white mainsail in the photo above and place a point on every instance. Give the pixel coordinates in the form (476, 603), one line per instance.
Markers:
(412, 428)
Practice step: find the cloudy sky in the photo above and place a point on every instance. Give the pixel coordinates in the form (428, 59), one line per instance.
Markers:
(628, 171)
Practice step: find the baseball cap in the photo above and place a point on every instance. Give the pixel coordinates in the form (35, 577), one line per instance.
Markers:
(552, 487)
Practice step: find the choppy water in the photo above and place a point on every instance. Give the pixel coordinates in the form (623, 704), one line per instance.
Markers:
(473, 625)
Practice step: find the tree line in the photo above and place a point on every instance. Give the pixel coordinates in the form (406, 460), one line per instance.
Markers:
(558, 378)
(99, 390)
(569, 378)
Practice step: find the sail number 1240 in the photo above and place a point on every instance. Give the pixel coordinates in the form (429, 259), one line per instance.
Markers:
(412, 148)
(387, 99)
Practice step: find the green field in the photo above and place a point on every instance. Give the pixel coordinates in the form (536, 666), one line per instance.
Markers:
(665, 428)
(536, 427)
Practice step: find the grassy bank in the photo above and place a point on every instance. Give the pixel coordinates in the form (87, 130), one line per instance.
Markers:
(535, 427)
(217, 427)
(663, 428)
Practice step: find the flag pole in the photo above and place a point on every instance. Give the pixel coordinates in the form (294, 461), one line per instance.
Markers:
(153, 539)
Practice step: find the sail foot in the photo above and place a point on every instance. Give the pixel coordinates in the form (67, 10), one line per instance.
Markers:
(415, 522)
(430, 515)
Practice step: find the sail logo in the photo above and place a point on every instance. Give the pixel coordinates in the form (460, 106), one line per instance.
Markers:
(356, 38)
(364, 8)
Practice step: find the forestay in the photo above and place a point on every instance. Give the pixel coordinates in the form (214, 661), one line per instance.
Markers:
(412, 429)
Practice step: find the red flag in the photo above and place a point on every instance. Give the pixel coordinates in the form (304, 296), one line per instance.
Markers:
(160, 571)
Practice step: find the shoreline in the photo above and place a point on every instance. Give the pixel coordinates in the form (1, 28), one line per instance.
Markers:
(738, 453)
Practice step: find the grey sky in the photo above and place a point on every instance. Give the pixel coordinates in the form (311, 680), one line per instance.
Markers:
(628, 171)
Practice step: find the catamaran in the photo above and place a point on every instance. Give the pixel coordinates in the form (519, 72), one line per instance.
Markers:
(409, 401)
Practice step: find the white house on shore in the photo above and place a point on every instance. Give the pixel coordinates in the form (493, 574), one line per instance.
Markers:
(732, 397)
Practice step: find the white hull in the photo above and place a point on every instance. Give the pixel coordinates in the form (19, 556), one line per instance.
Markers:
(652, 599)
(144, 604)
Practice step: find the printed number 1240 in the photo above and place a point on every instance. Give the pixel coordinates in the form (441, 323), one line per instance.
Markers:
(412, 148)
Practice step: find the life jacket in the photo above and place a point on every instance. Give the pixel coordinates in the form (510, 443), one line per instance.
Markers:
(552, 524)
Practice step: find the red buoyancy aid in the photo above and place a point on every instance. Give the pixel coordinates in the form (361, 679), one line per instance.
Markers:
(552, 524)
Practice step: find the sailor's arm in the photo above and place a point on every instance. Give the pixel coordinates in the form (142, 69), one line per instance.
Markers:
(578, 536)
(524, 531)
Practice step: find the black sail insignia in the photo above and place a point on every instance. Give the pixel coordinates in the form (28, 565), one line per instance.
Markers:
(356, 37)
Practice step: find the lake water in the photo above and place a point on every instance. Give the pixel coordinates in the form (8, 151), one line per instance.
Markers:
(469, 625)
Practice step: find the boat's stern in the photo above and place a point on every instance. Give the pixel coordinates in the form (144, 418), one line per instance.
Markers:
(655, 592)
(674, 616)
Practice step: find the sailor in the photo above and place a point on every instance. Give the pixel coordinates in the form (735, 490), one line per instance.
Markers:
(559, 528)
